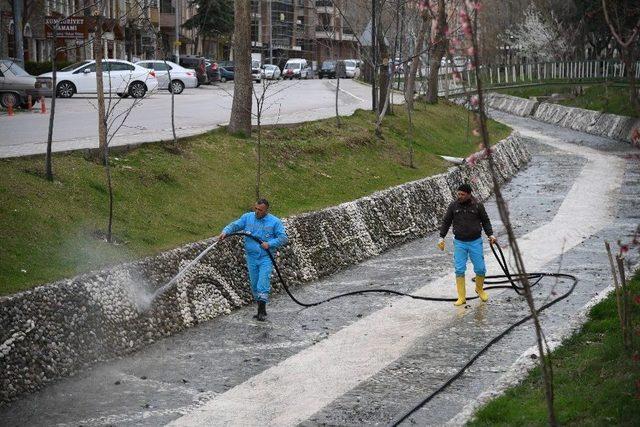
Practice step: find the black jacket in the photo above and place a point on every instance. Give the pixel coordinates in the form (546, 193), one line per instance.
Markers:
(468, 220)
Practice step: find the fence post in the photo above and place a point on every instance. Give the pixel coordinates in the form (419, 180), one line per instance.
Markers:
(513, 68)
(490, 74)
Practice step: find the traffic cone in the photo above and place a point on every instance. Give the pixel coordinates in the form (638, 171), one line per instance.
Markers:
(10, 109)
(29, 103)
(43, 106)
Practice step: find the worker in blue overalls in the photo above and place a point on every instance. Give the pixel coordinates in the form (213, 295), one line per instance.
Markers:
(269, 229)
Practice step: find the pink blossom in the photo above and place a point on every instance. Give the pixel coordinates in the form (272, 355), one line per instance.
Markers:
(475, 100)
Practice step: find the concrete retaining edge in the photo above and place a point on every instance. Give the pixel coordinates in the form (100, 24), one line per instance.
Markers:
(593, 122)
(54, 330)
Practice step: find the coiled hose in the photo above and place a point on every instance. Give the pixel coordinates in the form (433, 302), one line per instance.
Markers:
(499, 281)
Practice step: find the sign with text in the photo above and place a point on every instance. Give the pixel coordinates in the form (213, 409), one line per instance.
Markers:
(69, 28)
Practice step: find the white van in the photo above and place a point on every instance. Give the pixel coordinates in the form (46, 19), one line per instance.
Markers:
(296, 68)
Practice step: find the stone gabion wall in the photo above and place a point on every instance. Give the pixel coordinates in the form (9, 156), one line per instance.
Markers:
(593, 122)
(589, 121)
(54, 330)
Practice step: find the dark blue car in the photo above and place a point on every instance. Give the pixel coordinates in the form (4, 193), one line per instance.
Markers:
(226, 74)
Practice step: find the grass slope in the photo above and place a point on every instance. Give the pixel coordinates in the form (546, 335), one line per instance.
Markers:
(166, 197)
(607, 97)
(596, 383)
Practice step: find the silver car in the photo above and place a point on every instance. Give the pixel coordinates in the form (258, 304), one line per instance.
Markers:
(270, 72)
(181, 77)
(16, 85)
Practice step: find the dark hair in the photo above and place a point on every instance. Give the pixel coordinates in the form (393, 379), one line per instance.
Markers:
(263, 202)
(465, 187)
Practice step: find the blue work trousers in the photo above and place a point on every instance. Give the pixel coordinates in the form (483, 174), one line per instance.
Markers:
(462, 251)
(260, 268)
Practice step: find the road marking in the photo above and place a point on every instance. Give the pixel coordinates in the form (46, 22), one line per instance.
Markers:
(293, 390)
(347, 92)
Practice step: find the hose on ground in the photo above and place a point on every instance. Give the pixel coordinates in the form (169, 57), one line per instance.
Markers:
(514, 281)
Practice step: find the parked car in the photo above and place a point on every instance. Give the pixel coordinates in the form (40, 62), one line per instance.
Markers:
(213, 73)
(271, 72)
(16, 85)
(198, 64)
(121, 77)
(256, 71)
(328, 69)
(296, 68)
(352, 69)
(181, 77)
(226, 74)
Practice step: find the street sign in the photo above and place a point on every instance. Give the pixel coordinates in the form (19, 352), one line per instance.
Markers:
(69, 28)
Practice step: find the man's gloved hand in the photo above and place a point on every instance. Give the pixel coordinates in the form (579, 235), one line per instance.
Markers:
(441, 244)
(222, 236)
(493, 240)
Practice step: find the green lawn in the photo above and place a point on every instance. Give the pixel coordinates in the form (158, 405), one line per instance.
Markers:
(596, 382)
(165, 198)
(608, 97)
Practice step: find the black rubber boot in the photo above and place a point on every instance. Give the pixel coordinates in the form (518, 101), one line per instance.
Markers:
(262, 311)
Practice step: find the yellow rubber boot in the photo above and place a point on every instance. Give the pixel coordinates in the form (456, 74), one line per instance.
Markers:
(462, 294)
(480, 288)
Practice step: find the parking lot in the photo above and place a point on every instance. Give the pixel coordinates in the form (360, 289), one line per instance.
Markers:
(196, 111)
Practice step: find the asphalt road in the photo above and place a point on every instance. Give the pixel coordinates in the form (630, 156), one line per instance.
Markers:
(196, 111)
(366, 359)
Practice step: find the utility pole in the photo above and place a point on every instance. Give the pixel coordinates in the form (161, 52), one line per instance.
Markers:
(270, 32)
(177, 42)
(374, 56)
(17, 31)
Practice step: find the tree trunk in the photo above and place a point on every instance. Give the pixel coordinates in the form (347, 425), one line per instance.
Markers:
(438, 48)
(630, 63)
(415, 65)
(241, 108)
(384, 72)
(97, 52)
(54, 82)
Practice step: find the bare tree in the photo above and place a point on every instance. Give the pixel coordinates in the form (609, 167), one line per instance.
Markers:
(471, 31)
(439, 45)
(410, 82)
(240, 121)
(626, 35)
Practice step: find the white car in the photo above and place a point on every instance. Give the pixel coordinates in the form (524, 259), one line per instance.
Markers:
(121, 77)
(181, 77)
(351, 68)
(296, 68)
(271, 72)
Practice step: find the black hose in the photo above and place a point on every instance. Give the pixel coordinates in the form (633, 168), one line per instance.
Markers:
(534, 278)
(507, 277)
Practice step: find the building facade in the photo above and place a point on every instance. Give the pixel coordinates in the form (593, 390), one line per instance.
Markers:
(315, 30)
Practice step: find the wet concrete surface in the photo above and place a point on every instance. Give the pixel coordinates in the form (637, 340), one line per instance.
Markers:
(183, 373)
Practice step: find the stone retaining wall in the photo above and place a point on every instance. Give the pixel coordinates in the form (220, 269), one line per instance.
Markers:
(54, 330)
(589, 121)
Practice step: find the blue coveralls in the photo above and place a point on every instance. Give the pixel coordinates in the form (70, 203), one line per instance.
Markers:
(464, 250)
(268, 229)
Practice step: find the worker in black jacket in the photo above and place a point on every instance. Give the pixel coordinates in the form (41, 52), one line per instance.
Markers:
(468, 217)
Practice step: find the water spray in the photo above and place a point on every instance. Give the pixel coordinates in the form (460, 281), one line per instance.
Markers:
(182, 272)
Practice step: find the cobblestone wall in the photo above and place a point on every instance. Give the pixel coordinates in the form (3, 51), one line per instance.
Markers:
(57, 329)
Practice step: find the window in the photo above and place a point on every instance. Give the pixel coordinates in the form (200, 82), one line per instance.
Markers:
(91, 68)
(74, 66)
(161, 66)
(121, 66)
(146, 65)
(165, 6)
